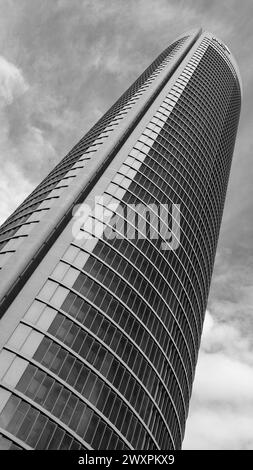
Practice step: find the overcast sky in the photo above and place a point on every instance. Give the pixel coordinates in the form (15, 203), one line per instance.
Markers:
(62, 64)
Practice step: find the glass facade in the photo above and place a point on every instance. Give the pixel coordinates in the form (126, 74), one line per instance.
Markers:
(36, 205)
(103, 353)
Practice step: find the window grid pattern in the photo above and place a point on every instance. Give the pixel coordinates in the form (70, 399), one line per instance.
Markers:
(119, 321)
(29, 213)
(186, 156)
(90, 385)
(109, 262)
(100, 358)
(8, 444)
(34, 428)
(57, 402)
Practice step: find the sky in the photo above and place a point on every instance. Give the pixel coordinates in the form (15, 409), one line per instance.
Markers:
(62, 65)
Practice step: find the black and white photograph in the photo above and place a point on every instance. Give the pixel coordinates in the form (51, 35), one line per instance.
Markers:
(126, 229)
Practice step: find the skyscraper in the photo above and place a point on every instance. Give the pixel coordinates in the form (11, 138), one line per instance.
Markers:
(106, 266)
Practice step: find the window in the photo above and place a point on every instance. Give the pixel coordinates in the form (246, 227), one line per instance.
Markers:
(47, 290)
(124, 170)
(90, 244)
(19, 336)
(6, 444)
(111, 189)
(70, 276)
(125, 183)
(117, 179)
(46, 318)
(131, 173)
(139, 145)
(136, 164)
(8, 410)
(15, 371)
(6, 359)
(120, 193)
(141, 157)
(98, 228)
(34, 312)
(59, 296)
(81, 259)
(59, 271)
(134, 153)
(32, 343)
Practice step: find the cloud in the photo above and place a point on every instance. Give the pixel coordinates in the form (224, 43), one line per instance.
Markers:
(15, 182)
(219, 429)
(79, 57)
(24, 149)
(11, 178)
(12, 82)
(221, 412)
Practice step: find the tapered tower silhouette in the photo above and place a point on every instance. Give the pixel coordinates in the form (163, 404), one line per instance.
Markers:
(106, 266)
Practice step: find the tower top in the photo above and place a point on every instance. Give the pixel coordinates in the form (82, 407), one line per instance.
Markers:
(223, 48)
